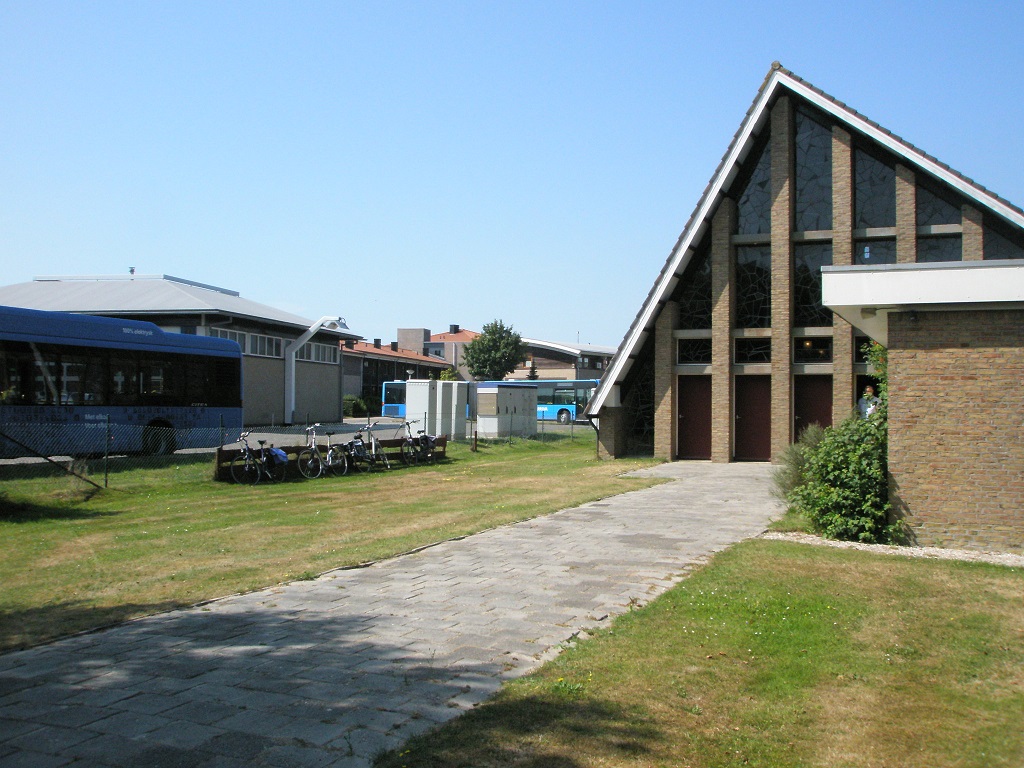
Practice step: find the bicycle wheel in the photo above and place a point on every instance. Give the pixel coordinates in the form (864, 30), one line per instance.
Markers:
(309, 464)
(276, 470)
(336, 461)
(409, 453)
(245, 470)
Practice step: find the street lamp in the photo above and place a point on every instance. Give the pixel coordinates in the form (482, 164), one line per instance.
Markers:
(327, 322)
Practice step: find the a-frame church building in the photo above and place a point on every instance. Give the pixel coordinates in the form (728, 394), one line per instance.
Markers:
(734, 352)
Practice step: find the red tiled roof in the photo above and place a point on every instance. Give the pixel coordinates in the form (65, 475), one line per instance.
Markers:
(462, 335)
(364, 348)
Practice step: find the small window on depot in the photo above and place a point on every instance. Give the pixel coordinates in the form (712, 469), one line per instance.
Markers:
(753, 351)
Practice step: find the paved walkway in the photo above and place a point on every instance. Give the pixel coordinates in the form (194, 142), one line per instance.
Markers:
(333, 671)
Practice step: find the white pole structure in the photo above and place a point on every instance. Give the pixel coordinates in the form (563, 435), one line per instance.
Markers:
(331, 323)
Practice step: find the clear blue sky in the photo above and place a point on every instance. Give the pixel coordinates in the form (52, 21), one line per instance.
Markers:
(421, 164)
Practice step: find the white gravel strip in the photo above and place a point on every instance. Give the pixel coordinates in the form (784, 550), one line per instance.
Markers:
(998, 558)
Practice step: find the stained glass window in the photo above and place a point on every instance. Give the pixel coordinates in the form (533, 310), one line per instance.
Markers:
(809, 258)
(694, 294)
(931, 249)
(813, 180)
(874, 252)
(753, 351)
(874, 192)
(998, 246)
(693, 351)
(638, 404)
(754, 207)
(753, 286)
(933, 209)
(812, 349)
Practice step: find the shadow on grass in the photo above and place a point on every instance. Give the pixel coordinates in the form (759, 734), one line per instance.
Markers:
(51, 622)
(94, 466)
(525, 732)
(31, 512)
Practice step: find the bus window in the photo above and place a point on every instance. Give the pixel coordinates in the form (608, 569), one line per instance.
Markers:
(124, 380)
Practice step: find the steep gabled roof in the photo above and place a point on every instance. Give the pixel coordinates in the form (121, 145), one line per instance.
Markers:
(778, 79)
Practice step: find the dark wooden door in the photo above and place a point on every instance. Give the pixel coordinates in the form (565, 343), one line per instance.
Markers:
(753, 416)
(812, 402)
(694, 434)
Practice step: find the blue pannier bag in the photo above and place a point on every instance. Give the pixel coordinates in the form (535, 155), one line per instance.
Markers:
(278, 456)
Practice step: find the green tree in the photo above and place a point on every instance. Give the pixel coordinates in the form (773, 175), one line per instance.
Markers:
(495, 352)
(448, 374)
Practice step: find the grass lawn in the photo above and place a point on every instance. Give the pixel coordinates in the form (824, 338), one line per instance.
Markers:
(169, 536)
(775, 654)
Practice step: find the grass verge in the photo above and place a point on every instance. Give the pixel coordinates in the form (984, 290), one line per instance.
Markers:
(775, 654)
(169, 536)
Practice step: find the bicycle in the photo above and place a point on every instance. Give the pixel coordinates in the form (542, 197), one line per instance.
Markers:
(365, 457)
(314, 463)
(250, 466)
(419, 448)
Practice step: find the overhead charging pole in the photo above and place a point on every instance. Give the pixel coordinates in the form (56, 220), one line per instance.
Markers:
(328, 322)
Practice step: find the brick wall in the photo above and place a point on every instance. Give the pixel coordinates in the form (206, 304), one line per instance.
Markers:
(664, 382)
(956, 407)
(782, 277)
(610, 438)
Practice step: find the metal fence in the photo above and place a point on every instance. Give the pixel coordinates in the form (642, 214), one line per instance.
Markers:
(98, 453)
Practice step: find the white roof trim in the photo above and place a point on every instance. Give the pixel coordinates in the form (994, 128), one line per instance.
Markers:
(683, 250)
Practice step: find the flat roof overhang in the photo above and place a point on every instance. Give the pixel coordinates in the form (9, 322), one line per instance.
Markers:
(864, 296)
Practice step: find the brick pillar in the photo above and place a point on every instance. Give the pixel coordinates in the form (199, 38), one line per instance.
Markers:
(610, 438)
(906, 216)
(782, 276)
(843, 378)
(722, 291)
(974, 234)
(664, 381)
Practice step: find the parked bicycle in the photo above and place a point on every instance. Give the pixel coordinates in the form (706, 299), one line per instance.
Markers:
(250, 466)
(366, 454)
(418, 449)
(313, 462)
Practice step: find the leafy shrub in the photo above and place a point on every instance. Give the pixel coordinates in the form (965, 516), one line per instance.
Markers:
(792, 469)
(354, 406)
(844, 491)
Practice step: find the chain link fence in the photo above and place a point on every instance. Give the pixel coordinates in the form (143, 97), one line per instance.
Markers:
(99, 453)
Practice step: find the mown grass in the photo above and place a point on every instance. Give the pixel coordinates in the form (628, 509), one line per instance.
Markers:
(75, 558)
(775, 654)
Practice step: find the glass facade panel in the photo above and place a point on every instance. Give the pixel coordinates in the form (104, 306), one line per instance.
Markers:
(931, 249)
(753, 286)
(693, 351)
(694, 293)
(753, 350)
(809, 258)
(812, 349)
(874, 252)
(932, 209)
(754, 207)
(998, 246)
(874, 192)
(813, 177)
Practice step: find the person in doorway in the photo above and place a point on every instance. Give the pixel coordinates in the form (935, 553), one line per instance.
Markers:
(868, 402)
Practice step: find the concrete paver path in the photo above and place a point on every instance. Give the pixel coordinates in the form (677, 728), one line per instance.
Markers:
(333, 671)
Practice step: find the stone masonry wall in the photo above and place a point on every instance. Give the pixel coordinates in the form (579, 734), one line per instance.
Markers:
(956, 427)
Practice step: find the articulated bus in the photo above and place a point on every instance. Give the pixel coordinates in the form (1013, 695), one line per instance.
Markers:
(563, 401)
(77, 385)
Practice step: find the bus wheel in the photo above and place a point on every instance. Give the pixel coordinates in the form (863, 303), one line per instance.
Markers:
(158, 440)
(564, 417)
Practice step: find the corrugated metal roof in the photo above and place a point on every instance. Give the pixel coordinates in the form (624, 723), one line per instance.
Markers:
(778, 78)
(143, 295)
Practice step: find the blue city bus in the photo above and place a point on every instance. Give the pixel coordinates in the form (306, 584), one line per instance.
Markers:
(392, 400)
(557, 400)
(563, 401)
(82, 385)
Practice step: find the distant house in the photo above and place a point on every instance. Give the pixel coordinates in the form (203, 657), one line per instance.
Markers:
(734, 352)
(550, 360)
(291, 366)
